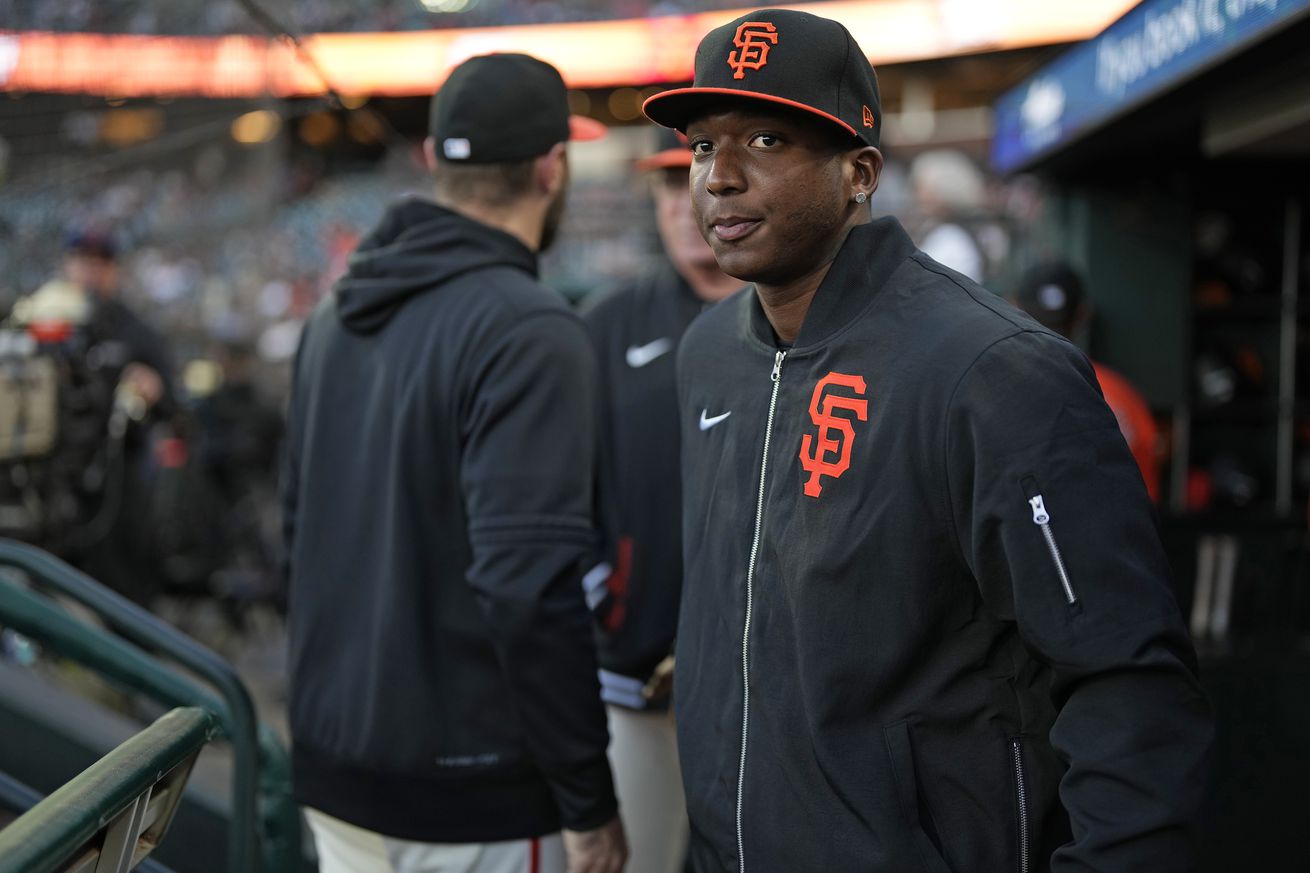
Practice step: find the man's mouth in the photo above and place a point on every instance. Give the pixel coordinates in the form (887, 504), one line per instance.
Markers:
(733, 227)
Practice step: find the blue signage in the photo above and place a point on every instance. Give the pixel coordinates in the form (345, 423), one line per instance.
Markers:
(1153, 47)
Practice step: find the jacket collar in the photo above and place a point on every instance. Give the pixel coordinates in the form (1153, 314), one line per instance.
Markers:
(868, 257)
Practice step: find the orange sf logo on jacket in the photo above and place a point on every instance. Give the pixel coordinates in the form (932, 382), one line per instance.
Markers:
(753, 39)
(823, 406)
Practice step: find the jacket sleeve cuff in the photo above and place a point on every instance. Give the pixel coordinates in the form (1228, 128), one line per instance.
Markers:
(585, 795)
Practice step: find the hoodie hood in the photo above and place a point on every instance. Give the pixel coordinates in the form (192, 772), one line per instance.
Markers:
(416, 247)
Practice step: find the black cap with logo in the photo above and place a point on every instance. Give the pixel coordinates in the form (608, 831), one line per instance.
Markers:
(504, 107)
(1051, 293)
(786, 58)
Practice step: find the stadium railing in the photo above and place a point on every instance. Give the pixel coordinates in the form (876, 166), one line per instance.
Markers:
(108, 818)
(264, 829)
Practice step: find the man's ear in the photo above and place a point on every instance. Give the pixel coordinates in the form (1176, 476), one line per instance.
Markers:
(866, 169)
(430, 154)
(551, 169)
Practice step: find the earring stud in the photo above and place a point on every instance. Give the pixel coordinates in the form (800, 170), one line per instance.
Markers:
(861, 197)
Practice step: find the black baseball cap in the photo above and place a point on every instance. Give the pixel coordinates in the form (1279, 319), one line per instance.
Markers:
(1051, 293)
(786, 58)
(671, 151)
(504, 107)
(91, 242)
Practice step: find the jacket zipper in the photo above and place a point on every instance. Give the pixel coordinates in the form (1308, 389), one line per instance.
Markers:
(775, 377)
(1042, 519)
(1016, 746)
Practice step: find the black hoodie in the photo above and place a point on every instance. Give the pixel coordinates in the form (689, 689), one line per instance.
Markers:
(437, 500)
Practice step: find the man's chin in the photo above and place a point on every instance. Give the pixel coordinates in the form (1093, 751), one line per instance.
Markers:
(703, 261)
(739, 264)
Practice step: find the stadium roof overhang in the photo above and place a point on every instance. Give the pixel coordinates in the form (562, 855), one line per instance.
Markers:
(1224, 75)
(603, 54)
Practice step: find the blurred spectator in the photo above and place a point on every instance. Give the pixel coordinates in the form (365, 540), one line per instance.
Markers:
(1052, 293)
(134, 348)
(949, 189)
(636, 593)
(127, 367)
(238, 435)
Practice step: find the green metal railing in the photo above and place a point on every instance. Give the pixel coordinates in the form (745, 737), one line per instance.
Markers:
(264, 828)
(128, 796)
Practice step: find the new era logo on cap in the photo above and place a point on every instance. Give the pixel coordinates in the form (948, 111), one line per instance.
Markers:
(456, 148)
(786, 58)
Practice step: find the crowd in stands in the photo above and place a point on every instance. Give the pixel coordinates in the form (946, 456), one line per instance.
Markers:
(218, 245)
(200, 17)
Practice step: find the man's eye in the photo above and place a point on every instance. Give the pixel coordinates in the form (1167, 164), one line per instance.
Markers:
(764, 140)
(701, 147)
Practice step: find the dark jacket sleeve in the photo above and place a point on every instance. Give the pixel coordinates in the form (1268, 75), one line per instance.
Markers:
(289, 468)
(605, 511)
(1083, 574)
(529, 446)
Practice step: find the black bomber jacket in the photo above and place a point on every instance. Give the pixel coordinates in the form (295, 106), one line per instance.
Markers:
(919, 535)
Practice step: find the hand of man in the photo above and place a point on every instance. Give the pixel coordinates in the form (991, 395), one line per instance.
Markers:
(660, 684)
(603, 850)
(144, 382)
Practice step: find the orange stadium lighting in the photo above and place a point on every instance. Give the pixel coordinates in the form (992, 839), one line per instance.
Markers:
(600, 54)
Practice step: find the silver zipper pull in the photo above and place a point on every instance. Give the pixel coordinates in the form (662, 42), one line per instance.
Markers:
(777, 365)
(1040, 515)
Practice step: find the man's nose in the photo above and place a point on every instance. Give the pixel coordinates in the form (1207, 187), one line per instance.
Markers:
(724, 175)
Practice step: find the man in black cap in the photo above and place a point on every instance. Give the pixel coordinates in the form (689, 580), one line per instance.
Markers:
(91, 261)
(1052, 293)
(635, 593)
(927, 623)
(131, 368)
(445, 712)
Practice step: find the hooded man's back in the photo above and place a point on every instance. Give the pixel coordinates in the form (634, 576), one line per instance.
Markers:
(437, 499)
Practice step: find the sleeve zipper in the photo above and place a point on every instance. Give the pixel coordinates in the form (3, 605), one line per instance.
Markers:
(1042, 518)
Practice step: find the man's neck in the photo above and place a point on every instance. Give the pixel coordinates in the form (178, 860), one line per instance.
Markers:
(786, 305)
(522, 221)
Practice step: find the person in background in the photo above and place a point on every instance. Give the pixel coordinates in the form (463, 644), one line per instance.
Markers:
(437, 492)
(134, 364)
(1052, 293)
(635, 593)
(949, 190)
(927, 622)
(136, 349)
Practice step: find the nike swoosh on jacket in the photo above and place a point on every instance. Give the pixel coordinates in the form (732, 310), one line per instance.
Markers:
(640, 356)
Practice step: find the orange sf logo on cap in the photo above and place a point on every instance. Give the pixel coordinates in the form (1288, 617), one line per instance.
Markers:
(754, 38)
